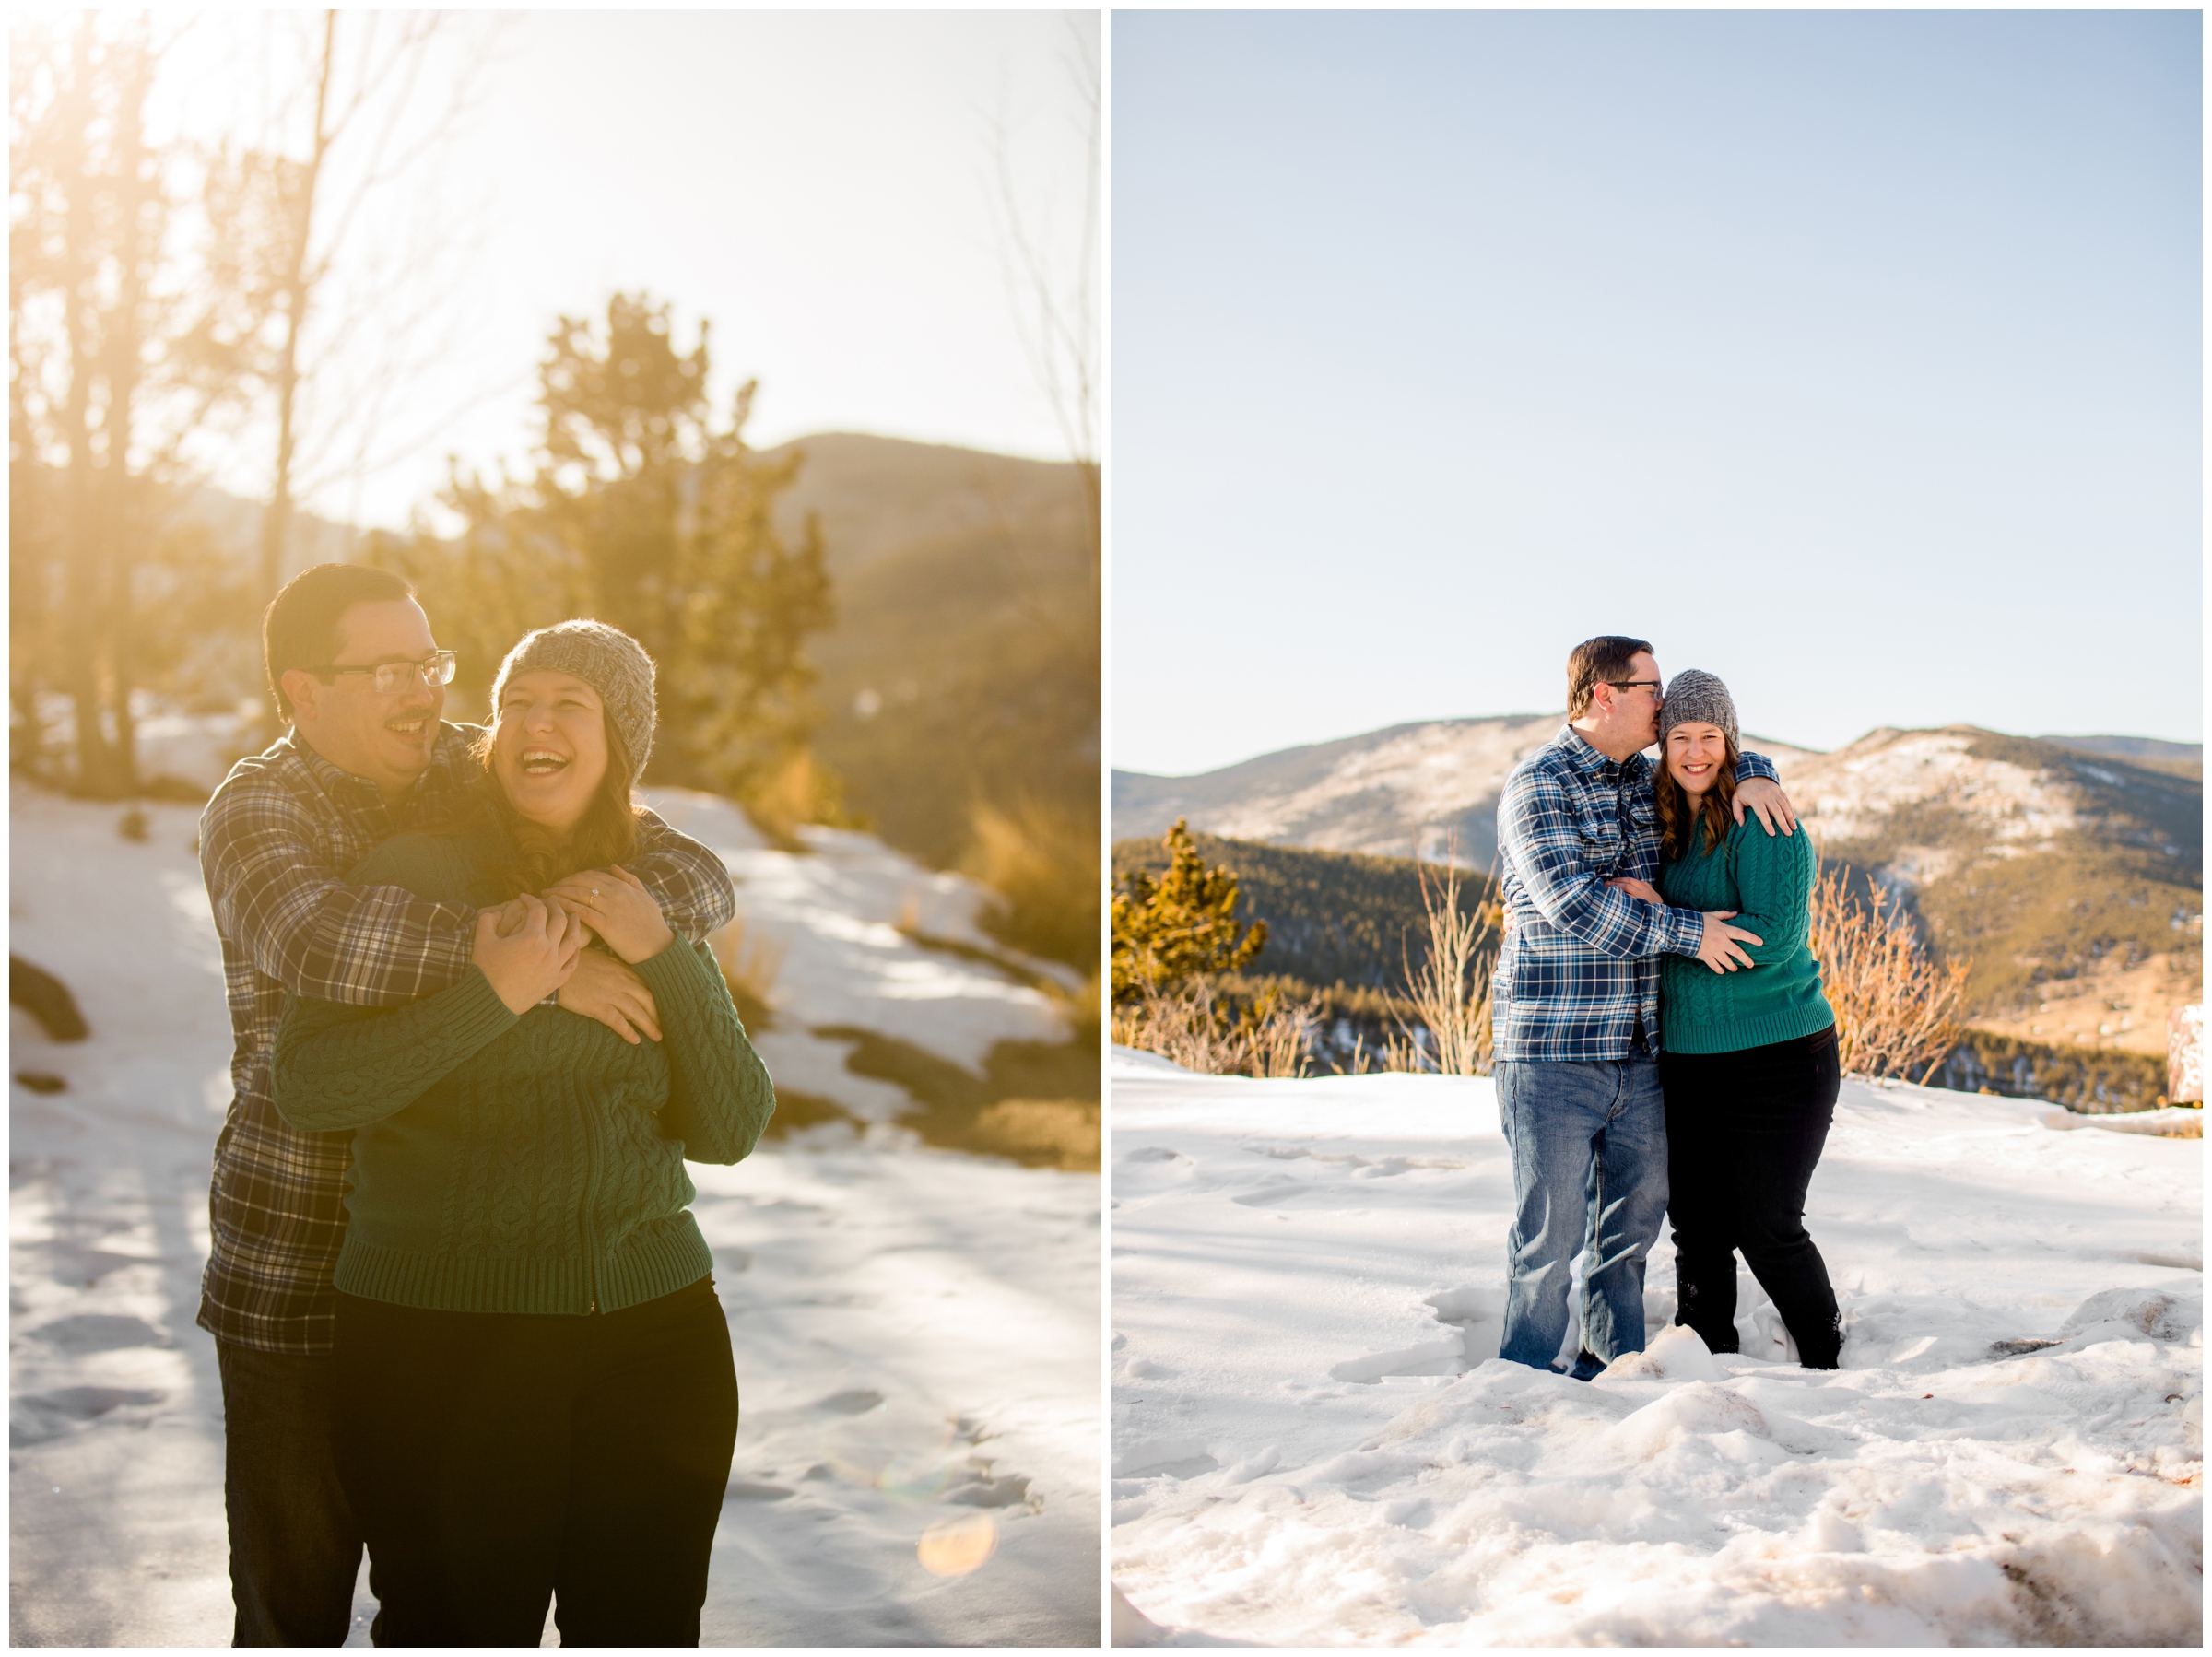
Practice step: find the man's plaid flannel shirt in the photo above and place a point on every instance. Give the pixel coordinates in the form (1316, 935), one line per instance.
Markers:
(1581, 959)
(274, 844)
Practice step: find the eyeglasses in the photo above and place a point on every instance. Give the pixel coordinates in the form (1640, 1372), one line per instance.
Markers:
(1633, 684)
(391, 678)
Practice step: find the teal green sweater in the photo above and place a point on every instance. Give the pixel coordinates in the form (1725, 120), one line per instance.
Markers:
(530, 1163)
(1768, 880)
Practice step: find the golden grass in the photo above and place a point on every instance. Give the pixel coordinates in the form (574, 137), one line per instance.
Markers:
(1042, 866)
(1194, 1027)
(1060, 1132)
(750, 963)
(1450, 993)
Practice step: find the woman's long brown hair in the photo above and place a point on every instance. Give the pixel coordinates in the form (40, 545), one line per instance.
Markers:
(606, 836)
(1677, 817)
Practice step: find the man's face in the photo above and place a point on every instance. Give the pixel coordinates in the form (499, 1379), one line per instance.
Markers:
(1642, 701)
(387, 738)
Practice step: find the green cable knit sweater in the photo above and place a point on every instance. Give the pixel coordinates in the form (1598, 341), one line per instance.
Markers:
(520, 1164)
(1768, 880)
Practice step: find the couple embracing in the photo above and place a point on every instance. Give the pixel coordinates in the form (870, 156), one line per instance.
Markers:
(462, 1311)
(1663, 1047)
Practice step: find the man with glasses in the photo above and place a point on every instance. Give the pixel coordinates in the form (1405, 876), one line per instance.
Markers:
(353, 666)
(1575, 1005)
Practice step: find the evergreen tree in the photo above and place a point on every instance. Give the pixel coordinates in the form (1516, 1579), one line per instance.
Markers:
(1182, 925)
(647, 513)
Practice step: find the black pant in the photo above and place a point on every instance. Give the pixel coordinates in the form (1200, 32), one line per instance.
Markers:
(497, 1461)
(295, 1549)
(1744, 1134)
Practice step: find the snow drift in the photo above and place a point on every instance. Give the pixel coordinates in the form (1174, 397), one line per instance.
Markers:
(1315, 1442)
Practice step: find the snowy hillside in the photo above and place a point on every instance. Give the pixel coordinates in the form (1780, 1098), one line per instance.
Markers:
(1314, 1442)
(916, 1331)
(1397, 792)
(1979, 793)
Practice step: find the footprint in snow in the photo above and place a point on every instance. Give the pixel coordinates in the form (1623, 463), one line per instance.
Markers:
(858, 1402)
(98, 1332)
(1446, 1356)
(1384, 1169)
(38, 1416)
(1277, 1191)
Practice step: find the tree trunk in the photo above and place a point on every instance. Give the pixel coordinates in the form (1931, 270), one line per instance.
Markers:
(137, 197)
(277, 521)
(86, 543)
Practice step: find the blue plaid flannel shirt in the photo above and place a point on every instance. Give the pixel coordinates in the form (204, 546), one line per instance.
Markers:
(1581, 961)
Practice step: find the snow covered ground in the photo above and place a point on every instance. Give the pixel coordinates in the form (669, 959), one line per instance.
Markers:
(1314, 1442)
(916, 1331)
(843, 922)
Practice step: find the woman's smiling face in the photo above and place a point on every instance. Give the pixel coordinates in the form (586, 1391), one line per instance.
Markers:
(549, 749)
(1695, 754)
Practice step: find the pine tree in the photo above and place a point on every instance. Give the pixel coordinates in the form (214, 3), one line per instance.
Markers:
(647, 512)
(1179, 926)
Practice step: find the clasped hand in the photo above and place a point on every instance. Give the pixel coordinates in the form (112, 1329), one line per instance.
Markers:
(1720, 946)
(527, 948)
(615, 904)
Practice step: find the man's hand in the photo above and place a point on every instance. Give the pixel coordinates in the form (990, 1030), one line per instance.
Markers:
(1718, 948)
(1764, 796)
(1638, 889)
(615, 904)
(603, 988)
(528, 951)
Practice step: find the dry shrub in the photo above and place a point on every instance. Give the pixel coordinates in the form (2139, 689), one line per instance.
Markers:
(1057, 1132)
(1085, 1010)
(1042, 866)
(750, 963)
(798, 792)
(1276, 1038)
(1449, 990)
(1403, 1054)
(1194, 1027)
(1896, 1011)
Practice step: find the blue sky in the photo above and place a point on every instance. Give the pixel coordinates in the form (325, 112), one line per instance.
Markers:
(1854, 355)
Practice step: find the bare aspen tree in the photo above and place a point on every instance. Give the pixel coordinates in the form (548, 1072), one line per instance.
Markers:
(366, 102)
(1055, 301)
(88, 229)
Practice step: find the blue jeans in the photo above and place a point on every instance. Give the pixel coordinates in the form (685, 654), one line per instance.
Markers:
(1589, 1149)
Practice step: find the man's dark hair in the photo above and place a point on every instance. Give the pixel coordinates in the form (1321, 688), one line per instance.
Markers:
(1603, 660)
(300, 626)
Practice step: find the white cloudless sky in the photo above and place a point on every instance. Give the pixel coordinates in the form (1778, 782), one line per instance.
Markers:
(821, 185)
(1853, 355)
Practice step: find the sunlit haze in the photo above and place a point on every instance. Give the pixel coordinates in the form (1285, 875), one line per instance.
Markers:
(1852, 355)
(824, 186)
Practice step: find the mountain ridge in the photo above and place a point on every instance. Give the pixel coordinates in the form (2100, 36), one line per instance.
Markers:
(2069, 872)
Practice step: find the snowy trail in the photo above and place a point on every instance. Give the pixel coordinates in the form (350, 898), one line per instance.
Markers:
(916, 1331)
(1315, 1443)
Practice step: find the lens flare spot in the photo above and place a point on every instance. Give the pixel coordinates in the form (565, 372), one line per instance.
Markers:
(953, 1547)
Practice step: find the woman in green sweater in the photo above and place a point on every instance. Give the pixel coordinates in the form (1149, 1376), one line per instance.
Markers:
(535, 1390)
(1747, 1058)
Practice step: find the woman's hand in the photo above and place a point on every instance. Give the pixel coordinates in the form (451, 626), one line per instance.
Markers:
(603, 988)
(1637, 890)
(615, 904)
(527, 949)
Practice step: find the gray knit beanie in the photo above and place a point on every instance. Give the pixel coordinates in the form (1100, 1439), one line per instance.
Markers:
(1695, 697)
(606, 658)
